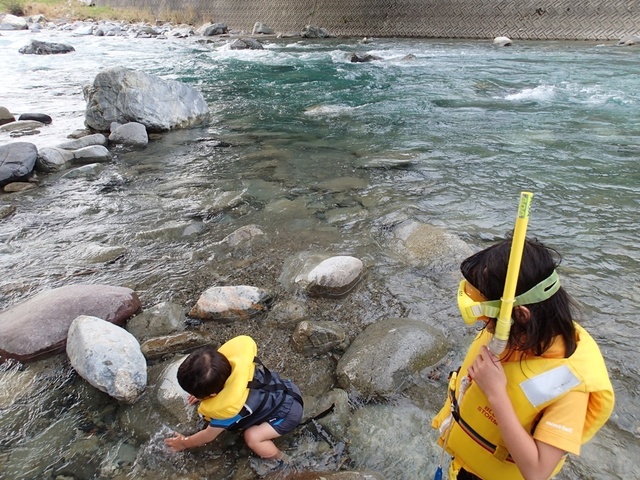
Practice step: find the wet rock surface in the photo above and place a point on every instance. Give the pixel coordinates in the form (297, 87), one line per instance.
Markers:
(108, 357)
(38, 326)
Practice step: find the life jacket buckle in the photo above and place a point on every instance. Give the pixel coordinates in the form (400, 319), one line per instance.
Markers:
(501, 453)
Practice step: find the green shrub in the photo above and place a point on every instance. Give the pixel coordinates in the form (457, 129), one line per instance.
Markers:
(14, 7)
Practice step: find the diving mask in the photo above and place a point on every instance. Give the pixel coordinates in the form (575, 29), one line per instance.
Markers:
(474, 307)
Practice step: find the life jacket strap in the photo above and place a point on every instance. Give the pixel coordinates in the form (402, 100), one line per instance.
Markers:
(499, 452)
(272, 388)
(267, 387)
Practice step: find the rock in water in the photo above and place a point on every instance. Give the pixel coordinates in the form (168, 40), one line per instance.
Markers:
(37, 47)
(17, 160)
(123, 95)
(108, 357)
(38, 327)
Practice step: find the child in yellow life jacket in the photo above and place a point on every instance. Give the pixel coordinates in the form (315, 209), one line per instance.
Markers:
(517, 415)
(235, 392)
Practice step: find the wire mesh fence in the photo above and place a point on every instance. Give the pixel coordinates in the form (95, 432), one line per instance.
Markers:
(516, 19)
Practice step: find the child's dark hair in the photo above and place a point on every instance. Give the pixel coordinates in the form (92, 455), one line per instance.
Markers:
(487, 271)
(204, 372)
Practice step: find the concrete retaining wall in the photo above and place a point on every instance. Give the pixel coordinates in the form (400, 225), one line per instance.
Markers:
(516, 19)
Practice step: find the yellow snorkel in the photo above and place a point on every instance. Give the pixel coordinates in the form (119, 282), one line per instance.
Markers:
(501, 336)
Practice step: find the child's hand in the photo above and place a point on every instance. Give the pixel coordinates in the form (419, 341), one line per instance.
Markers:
(191, 400)
(176, 443)
(486, 370)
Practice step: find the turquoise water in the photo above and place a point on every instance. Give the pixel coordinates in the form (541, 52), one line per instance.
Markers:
(446, 132)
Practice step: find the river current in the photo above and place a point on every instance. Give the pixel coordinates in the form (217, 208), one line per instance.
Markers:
(324, 155)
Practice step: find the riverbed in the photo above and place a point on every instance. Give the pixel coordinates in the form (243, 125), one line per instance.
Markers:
(326, 156)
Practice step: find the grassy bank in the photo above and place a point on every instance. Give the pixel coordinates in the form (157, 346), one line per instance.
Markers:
(72, 10)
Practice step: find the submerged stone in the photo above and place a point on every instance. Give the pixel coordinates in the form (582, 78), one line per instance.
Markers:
(386, 354)
(335, 276)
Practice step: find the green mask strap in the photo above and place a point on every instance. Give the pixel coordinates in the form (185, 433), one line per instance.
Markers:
(542, 291)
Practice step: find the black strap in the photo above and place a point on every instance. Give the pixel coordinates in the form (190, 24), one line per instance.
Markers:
(266, 385)
(322, 414)
(455, 412)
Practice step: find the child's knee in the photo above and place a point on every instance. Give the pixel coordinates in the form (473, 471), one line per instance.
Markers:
(250, 437)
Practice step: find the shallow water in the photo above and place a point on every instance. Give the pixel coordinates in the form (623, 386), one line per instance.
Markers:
(325, 155)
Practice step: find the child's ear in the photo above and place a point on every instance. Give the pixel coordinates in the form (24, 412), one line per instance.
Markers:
(522, 313)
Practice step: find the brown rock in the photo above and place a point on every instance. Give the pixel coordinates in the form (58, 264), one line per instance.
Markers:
(18, 187)
(38, 327)
(179, 342)
(5, 116)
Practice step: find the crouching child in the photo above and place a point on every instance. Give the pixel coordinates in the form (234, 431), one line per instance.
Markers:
(237, 392)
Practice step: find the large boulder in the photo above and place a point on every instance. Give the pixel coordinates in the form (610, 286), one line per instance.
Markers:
(383, 358)
(313, 31)
(628, 40)
(17, 161)
(172, 397)
(210, 29)
(122, 95)
(37, 117)
(161, 319)
(108, 357)
(22, 127)
(502, 41)
(91, 154)
(38, 327)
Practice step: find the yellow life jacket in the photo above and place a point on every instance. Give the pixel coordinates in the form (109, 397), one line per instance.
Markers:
(241, 352)
(473, 437)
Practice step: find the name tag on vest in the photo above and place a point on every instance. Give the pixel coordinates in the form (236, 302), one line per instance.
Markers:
(549, 385)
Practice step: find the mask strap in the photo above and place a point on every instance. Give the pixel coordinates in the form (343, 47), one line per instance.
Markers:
(542, 291)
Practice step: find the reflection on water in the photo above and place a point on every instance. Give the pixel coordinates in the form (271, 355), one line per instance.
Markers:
(326, 156)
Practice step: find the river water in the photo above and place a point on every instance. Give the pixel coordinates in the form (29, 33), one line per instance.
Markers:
(324, 155)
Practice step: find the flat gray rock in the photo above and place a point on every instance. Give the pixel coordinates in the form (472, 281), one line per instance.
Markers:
(17, 160)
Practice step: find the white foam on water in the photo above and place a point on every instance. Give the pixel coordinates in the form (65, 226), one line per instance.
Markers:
(539, 93)
(328, 110)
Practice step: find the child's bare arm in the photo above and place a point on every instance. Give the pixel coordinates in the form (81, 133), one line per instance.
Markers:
(179, 442)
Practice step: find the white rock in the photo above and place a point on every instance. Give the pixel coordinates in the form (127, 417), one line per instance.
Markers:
(108, 357)
(171, 395)
(335, 275)
(502, 41)
(92, 154)
(131, 133)
(11, 22)
(231, 303)
(86, 141)
(52, 159)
